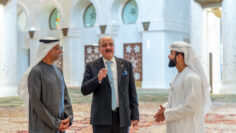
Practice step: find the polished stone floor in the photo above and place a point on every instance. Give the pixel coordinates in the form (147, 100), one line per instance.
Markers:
(220, 119)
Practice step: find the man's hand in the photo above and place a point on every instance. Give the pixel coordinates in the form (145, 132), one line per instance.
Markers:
(102, 74)
(134, 123)
(64, 124)
(159, 116)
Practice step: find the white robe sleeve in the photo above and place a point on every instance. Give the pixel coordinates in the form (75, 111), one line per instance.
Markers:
(192, 87)
(165, 104)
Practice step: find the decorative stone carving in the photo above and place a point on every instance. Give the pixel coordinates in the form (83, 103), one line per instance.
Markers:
(133, 53)
(3, 2)
(103, 29)
(145, 25)
(91, 53)
(65, 31)
(31, 34)
(217, 12)
(203, 2)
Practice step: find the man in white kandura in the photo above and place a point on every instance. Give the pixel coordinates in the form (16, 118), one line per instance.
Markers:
(189, 98)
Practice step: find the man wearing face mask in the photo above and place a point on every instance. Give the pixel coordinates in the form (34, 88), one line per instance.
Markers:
(189, 98)
(111, 81)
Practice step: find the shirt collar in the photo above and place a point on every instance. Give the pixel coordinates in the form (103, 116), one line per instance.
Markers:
(112, 59)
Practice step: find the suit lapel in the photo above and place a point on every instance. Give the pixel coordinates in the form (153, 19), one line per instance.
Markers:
(100, 65)
(120, 67)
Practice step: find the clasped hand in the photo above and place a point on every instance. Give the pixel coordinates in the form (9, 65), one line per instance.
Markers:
(64, 124)
(159, 116)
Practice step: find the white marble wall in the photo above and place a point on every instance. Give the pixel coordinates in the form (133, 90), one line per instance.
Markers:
(197, 32)
(166, 27)
(228, 82)
(22, 55)
(205, 37)
(169, 21)
(8, 48)
(73, 58)
(229, 41)
(213, 34)
(153, 60)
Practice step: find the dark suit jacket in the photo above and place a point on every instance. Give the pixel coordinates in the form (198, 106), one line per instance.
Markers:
(101, 112)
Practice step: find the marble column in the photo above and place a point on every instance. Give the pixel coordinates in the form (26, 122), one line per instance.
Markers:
(169, 27)
(153, 60)
(213, 41)
(229, 47)
(22, 53)
(8, 49)
(73, 58)
(197, 33)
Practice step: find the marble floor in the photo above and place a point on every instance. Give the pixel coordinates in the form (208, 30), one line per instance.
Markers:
(220, 119)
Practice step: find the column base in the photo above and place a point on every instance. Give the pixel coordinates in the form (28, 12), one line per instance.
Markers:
(224, 89)
(153, 85)
(8, 91)
(73, 84)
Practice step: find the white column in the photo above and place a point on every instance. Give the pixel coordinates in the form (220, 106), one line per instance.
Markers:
(33, 45)
(73, 58)
(197, 21)
(153, 60)
(229, 47)
(213, 42)
(22, 54)
(8, 49)
(153, 44)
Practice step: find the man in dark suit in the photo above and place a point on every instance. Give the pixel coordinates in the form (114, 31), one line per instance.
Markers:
(111, 80)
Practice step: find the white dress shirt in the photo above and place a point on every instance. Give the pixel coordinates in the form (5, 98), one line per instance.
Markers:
(115, 78)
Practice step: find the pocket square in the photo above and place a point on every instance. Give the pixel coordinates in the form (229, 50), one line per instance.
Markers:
(125, 72)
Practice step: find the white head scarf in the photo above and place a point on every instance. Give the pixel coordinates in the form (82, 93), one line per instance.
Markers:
(44, 47)
(191, 59)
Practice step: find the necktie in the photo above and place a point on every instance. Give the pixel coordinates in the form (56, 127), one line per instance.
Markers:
(110, 76)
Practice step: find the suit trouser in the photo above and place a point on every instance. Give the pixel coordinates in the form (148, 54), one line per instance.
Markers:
(114, 128)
